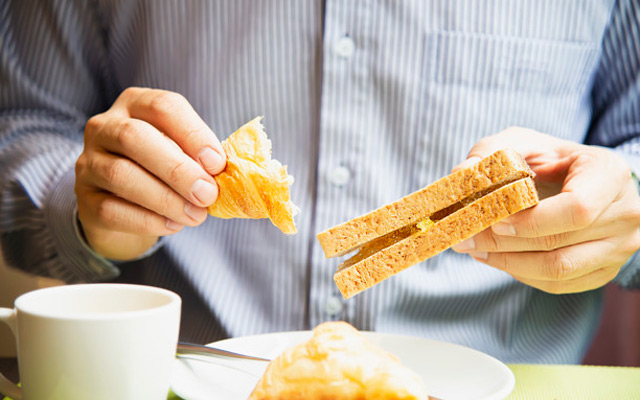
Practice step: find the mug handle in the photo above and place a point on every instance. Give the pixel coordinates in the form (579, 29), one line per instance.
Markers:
(8, 388)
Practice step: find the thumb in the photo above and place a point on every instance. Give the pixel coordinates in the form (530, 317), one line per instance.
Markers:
(544, 153)
(510, 138)
(525, 141)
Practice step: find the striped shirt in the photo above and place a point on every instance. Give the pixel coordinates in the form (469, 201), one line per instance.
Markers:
(365, 101)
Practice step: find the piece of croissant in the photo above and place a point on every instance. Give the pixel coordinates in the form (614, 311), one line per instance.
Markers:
(253, 185)
(338, 362)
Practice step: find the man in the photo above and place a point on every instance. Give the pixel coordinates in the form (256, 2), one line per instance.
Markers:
(365, 103)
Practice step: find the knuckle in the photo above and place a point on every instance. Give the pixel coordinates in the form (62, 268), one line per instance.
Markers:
(94, 123)
(166, 103)
(118, 171)
(165, 202)
(131, 92)
(501, 261)
(148, 222)
(196, 135)
(491, 242)
(127, 133)
(559, 266)
(106, 211)
(178, 171)
(547, 242)
(582, 213)
(550, 242)
(531, 225)
(81, 165)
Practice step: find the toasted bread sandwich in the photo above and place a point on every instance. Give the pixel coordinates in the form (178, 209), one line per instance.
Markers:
(429, 221)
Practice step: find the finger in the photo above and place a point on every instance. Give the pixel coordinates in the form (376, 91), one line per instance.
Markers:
(130, 181)
(592, 280)
(110, 212)
(589, 190)
(172, 114)
(488, 241)
(557, 265)
(144, 144)
(620, 220)
(535, 147)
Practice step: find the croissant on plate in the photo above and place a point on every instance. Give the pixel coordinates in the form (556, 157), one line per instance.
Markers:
(253, 185)
(338, 362)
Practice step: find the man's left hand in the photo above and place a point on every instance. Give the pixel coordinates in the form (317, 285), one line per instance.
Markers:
(585, 227)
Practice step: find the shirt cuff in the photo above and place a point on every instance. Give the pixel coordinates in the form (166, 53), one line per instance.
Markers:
(84, 264)
(85, 244)
(61, 215)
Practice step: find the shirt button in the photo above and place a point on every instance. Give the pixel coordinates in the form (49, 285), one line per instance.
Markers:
(333, 305)
(344, 47)
(340, 176)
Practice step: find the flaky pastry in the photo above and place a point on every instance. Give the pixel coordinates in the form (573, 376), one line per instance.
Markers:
(338, 362)
(253, 185)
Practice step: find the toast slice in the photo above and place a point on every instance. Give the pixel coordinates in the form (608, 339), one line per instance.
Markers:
(429, 221)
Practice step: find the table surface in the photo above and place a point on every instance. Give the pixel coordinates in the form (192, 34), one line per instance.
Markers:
(579, 382)
(569, 382)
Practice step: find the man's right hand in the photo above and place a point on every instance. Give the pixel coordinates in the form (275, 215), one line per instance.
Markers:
(146, 171)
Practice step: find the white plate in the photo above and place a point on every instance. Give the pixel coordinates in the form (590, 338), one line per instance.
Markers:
(451, 372)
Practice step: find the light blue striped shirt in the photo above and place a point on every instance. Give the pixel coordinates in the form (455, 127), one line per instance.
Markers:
(365, 101)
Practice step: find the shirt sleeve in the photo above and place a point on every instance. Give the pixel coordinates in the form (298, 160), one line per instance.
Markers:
(52, 73)
(616, 102)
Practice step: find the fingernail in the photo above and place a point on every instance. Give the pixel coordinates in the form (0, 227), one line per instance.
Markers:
(204, 191)
(465, 245)
(194, 212)
(503, 228)
(210, 160)
(481, 255)
(173, 225)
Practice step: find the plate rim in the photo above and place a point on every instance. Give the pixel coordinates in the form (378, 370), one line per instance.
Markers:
(498, 395)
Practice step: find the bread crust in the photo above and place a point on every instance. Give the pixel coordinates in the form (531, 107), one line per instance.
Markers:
(502, 166)
(445, 233)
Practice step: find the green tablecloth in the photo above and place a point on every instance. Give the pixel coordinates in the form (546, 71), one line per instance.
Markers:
(568, 382)
(575, 382)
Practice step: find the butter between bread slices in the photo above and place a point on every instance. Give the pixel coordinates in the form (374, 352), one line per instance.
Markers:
(429, 221)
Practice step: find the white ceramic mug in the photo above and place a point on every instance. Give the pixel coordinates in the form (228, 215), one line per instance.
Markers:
(94, 341)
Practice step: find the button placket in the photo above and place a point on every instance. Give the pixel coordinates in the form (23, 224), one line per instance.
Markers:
(344, 100)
